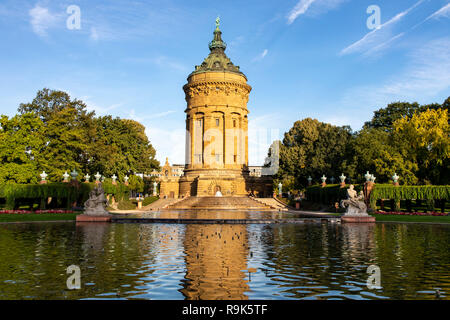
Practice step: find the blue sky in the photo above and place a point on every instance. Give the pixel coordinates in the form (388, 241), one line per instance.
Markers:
(307, 58)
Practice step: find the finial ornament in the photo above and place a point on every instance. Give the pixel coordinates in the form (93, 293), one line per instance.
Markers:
(217, 22)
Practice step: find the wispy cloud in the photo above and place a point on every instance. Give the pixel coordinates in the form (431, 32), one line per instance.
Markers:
(303, 6)
(42, 19)
(160, 61)
(383, 45)
(373, 38)
(261, 56)
(133, 116)
(300, 8)
(425, 76)
(100, 110)
(442, 12)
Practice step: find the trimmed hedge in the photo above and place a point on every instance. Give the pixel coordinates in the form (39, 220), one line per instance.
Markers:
(17, 193)
(427, 193)
(333, 193)
(329, 194)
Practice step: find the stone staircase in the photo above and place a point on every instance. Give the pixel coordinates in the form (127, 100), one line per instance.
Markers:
(273, 203)
(160, 204)
(220, 203)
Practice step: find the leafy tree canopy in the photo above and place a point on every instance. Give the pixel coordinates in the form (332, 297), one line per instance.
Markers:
(62, 135)
(312, 148)
(384, 118)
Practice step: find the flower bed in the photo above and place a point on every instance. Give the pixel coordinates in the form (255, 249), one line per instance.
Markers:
(35, 212)
(400, 213)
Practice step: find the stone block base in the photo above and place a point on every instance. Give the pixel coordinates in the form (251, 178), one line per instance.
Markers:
(89, 218)
(355, 219)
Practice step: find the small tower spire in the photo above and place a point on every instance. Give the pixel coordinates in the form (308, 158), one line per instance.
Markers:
(217, 22)
(217, 44)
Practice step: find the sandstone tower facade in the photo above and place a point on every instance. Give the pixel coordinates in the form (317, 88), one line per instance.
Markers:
(217, 94)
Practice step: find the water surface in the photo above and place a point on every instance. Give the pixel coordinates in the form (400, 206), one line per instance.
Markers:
(280, 261)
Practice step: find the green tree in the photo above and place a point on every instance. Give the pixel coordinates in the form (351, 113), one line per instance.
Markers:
(313, 148)
(75, 139)
(67, 124)
(424, 139)
(375, 151)
(120, 146)
(21, 139)
(384, 118)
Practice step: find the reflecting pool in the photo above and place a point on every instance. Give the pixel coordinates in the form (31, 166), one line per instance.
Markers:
(216, 261)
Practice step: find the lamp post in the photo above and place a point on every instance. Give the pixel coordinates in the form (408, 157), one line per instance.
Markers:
(65, 177)
(342, 178)
(74, 175)
(97, 177)
(309, 180)
(395, 178)
(43, 176)
(324, 179)
(155, 184)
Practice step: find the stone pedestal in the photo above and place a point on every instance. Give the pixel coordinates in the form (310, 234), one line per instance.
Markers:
(93, 218)
(357, 219)
(139, 204)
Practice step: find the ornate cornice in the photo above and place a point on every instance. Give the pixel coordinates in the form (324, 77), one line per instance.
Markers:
(210, 88)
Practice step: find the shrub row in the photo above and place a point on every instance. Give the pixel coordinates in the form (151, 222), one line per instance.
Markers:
(329, 194)
(18, 194)
(430, 194)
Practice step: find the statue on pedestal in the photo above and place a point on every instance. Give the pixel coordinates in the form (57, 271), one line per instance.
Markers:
(96, 204)
(355, 203)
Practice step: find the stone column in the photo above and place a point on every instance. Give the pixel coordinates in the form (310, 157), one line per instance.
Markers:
(208, 143)
(190, 139)
(245, 132)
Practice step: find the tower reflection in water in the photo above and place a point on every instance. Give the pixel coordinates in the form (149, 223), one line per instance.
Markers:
(216, 260)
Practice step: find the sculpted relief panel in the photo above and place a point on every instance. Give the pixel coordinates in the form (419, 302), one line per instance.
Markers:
(217, 89)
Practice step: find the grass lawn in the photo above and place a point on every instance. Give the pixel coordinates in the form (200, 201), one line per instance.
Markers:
(37, 217)
(400, 218)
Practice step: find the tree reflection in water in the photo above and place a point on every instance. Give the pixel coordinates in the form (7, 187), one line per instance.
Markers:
(212, 261)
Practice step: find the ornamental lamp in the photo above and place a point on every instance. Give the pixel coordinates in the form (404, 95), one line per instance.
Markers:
(65, 176)
(43, 176)
(74, 174)
(395, 178)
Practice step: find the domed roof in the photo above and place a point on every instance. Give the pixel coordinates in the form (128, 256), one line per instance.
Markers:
(217, 60)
